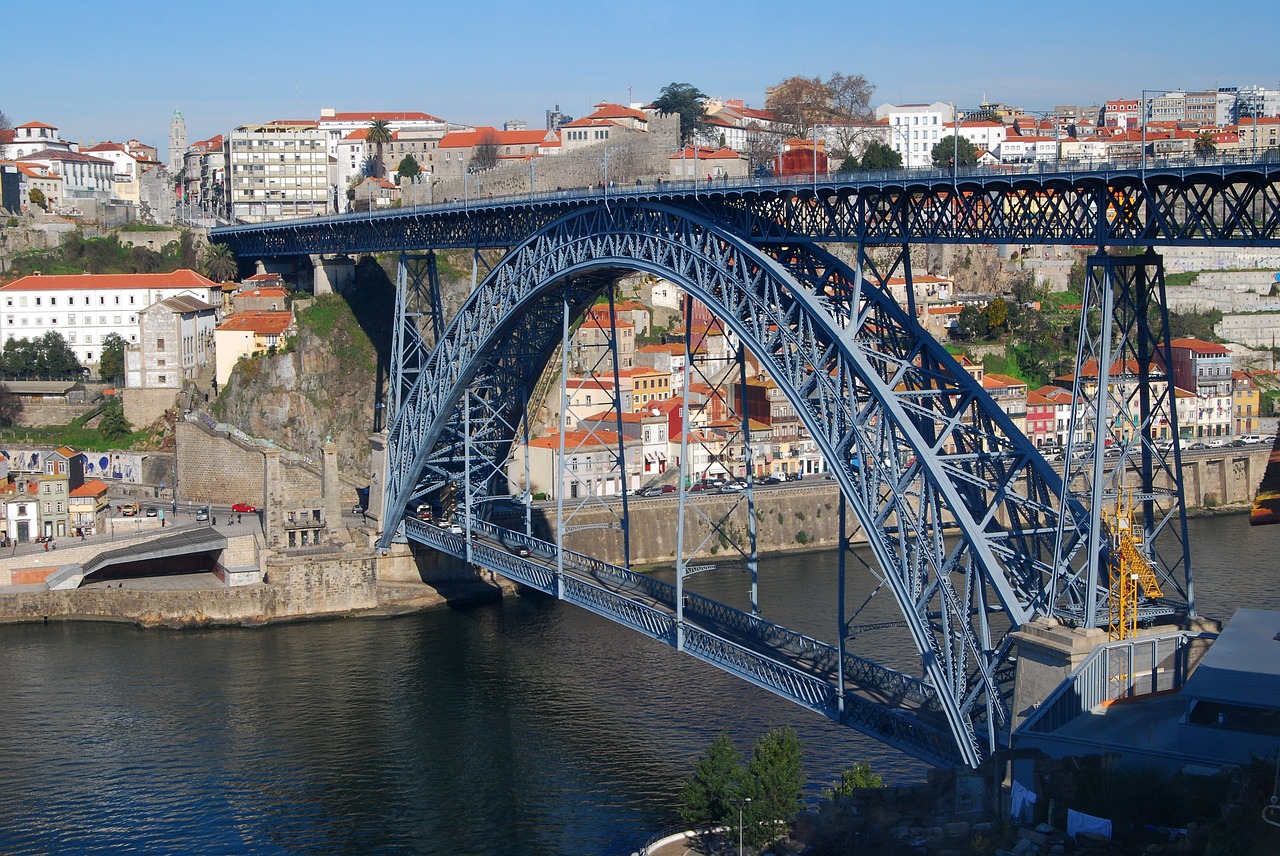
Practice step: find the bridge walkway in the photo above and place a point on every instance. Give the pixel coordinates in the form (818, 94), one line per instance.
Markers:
(889, 705)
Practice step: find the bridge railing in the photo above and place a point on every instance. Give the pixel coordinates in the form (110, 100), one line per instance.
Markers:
(1124, 669)
(1067, 168)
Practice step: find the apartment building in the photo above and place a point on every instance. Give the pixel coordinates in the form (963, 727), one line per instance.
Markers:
(279, 170)
(85, 308)
(914, 129)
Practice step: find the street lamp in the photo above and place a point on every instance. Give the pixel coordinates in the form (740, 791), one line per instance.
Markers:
(740, 805)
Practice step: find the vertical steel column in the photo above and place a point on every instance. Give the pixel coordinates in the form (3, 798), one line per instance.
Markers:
(564, 416)
(528, 485)
(753, 559)
(466, 486)
(842, 623)
(418, 313)
(682, 494)
(1101, 430)
(622, 441)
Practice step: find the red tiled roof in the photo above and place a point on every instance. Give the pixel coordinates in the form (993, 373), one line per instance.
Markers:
(39, 125)
(93, 487)
(469, 139)
(1200, 346)
(262, 292)
(183, 278)
(402, 116)
(578, 441)
(606, 110)
(60, 155)
(261, 322)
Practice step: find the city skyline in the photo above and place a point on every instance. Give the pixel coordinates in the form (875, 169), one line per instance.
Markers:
(296, 60)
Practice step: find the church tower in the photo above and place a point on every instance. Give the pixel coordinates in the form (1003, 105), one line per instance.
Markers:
(177, 142)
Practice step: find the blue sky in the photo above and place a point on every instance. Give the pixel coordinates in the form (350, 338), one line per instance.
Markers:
(98, 72)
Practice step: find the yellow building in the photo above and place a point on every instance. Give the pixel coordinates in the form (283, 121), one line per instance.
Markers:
(1246, 403)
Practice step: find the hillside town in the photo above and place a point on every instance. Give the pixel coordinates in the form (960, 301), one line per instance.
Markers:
(181, 334)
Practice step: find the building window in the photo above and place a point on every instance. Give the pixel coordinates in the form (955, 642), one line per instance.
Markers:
(160, 344)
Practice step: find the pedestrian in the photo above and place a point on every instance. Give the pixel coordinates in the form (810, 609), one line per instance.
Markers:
(237, 518)
(46, 546)
(215, 521)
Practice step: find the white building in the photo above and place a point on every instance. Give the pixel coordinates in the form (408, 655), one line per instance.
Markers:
(277, 171)
(30, 138)
(85, 308)
(125, 169)
(175, 338)
(914, 129)
(338, 126)
(1027, 149)
(983, 134)
(83, 176)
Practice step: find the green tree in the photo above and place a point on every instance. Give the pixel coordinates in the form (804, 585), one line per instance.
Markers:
(409, 168)
(774, 782)
(710, 795)
(220, 263)
(111, 361)
(972, 323)
(998, 315)
(10, 407)
(113, 425)
(47, 357)
(949, 147)
(880, 155)
(855, 778)
(686, 100)
(1205, 145)
(379, 134)
(37, 198)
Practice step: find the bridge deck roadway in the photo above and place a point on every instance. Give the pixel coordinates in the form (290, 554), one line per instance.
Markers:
(790, 664)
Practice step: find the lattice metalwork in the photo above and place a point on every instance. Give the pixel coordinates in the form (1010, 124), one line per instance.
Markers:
(1208, 204)
(1126, 396)
(914, 442)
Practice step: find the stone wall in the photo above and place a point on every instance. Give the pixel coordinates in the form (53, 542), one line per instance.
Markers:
(39, 414)
(806, 516)
(294, 588)
(146, 406)
(217, 469)
(641, 155)
(1257, 330)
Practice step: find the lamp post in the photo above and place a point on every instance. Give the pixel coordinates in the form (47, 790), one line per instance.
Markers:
(740, 805)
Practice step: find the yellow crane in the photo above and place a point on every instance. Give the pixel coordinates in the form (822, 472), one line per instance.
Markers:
(1131, 571)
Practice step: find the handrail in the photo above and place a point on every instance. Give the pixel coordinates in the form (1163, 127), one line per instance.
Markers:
(1093, 682)
(1070, 171)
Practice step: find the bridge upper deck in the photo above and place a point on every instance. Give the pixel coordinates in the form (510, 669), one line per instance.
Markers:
(1218, 202)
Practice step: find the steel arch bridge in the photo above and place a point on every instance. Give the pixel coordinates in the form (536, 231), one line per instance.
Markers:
(916, 445)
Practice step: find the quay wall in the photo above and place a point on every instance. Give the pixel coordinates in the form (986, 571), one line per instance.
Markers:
(294, 588)
(806, 516)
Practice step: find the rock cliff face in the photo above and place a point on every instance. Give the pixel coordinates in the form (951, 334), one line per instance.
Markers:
(323, 385)
(327, 380)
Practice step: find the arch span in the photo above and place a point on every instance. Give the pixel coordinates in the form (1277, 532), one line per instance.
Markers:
(915, 444)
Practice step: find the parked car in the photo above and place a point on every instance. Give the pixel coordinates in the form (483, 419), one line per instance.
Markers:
(1198, 446)
(668, 488)
(244, 508)
(1250, 438)
(770, 480)
(652, 490)
(1217, 442)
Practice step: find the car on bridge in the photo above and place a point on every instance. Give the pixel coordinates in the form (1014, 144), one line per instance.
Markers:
(243, 508)
(451, 527)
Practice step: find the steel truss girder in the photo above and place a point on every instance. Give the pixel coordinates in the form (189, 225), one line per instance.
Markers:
(862, 376)
(1211, 204)
(1124, 299)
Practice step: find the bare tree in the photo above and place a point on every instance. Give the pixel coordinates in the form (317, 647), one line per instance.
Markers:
(485, 154)
(5, 124)
(842, 102)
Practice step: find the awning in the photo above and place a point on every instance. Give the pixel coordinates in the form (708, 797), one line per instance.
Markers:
(650, 457)
(662, 456)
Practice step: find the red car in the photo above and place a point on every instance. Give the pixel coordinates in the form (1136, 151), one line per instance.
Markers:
(244, 508)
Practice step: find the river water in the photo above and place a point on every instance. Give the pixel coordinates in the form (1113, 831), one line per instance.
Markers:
(523, 727)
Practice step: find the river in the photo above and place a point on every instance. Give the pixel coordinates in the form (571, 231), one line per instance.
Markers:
(522, 727)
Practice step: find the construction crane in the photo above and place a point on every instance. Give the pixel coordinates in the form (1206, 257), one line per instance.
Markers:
(1132, 574)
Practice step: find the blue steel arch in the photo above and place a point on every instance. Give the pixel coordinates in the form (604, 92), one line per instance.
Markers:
(916, 445)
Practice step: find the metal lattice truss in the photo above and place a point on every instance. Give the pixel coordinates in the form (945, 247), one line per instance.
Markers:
(1211, 204)
(1125, 393)
(917, 447)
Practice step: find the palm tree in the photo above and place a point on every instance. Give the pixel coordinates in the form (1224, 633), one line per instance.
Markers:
(220, 264)
(379, 134)
(1205, 146)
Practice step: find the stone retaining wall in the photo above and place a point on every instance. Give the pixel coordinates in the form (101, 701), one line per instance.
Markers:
(295, 588)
